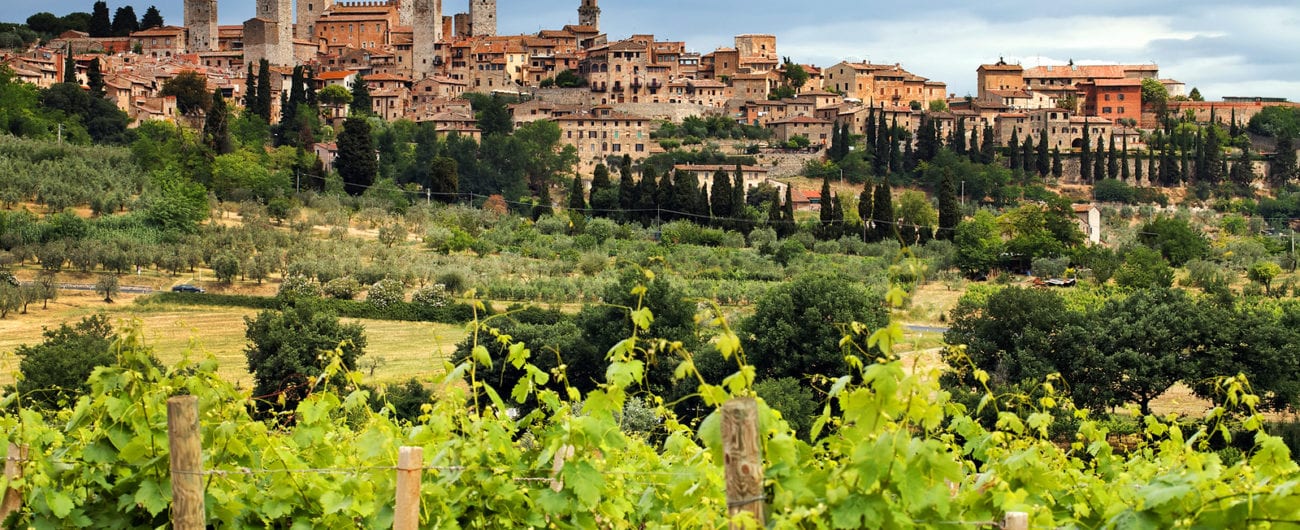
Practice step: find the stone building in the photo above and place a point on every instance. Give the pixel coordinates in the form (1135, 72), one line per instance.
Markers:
(159, 43)
(483, 18)
(358, 25)
(426, 27)
(880, 83)
(269, 35)
(817, 131)
(309, 11)
(603, 132)
(589, 14)
(201, 23)
(1112, 99)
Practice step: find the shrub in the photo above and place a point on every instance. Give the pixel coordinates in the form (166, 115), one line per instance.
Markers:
(297, 287)
(385, 293)
(553, 225)
(435, 295)
(453, 281)
(1050, 267)
(1112, 190)
(55, 371)
(600, 229)
(592, 263)
(345, 288)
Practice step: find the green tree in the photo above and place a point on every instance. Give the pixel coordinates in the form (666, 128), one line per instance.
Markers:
(151, 19)
(191, 92)
(1195, 95)
(1151, 338)
(1154, 93)
(107, 285)
(916, 218)
(1058, 169)
(979, 244)
(493, 115)
(604, 196)
(100, 25)
(95, 79)
(1176, 239)
(1144, 268)
(286, 348)
(54, 372)
(1085, 155)
(949, 209)
(1263, 273)
(125, 22)
(1043, 163)
(356, 162)
(216, 127)
(263, 107)
(797, 326)
(720, 196)
(882, 216)
(1283, 169)
(577, 200)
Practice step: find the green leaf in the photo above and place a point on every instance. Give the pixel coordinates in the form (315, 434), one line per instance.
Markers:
(585, 482)
(642, 318)
(60, 503)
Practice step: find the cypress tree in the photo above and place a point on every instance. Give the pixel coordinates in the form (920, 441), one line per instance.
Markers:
(543, 205)
(361, 104)
(988, 153)
(1202, 169)
(925, 135)
(738, 193)
(895, 156)
(1027, 155)
(883, 213)
(70, 70)
(973, 154)
(216, 133)
(1085, 155)
(356, 162)
(1153, 170)
(1112, 160)
(959, 137)
(1013, 149)
(826, 212)
(865, 210)
(1044, 164)
(686, 196)
(1137, 168)
(125, 22)
(720, 197)
(1058, 169)
(264, 90)
(1123, 161)
(309, 87)
(1233, 131)
(1243, 172)
(250, 91)
(871, 127)
(1099, 161)
(151, 19)
(787, 215)
(1184, 167)
(949, 208)
(603, 197)
(909, 157)
(665, 195)
(627, 188)
(95, 78)
(1283, 169)
(882, 146)
(577, 202)
(645, 196)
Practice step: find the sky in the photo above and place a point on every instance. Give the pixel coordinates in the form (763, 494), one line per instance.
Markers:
(1224, 49)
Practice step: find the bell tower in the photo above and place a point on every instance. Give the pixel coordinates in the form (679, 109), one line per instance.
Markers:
(589, 14)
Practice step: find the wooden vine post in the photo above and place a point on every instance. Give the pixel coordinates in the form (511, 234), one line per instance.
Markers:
(1016, 521)
(742, 455)
(410, 467)
(186, 463)
(13, 497)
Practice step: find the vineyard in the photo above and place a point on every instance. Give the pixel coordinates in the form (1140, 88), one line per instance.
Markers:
(890, 449)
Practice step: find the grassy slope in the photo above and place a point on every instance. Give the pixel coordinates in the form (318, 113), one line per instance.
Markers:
(408, 349)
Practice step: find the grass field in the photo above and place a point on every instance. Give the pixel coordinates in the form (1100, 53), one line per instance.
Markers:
(397, 350)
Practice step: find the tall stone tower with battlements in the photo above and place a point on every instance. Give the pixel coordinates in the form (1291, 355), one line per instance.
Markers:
(405, 12)
(201, 23)
(483, 18)
(426, 26)
(589, 14)
(269, 35)
(309, 11)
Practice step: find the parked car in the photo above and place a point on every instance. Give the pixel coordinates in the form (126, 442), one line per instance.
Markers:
(187, 289)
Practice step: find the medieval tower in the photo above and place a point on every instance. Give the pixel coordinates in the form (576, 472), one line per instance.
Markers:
(589, 14)
(483, 18)
(427, 32)
(405, 12)
(201, 23)
(269, 35)
(309, 11)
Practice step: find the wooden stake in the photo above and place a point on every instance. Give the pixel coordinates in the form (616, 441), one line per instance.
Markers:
(186, 445)
(1016, 521)
(743, 459)
(410, 466)
(13, 497)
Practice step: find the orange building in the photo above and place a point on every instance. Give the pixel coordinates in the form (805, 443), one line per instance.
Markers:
(1113, 99)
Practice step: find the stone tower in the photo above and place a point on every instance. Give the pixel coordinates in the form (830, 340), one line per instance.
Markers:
(427, 33)
(201, 23)
(589, 14)
(405, 12)
(309, 11)
(269, 35)
(483, 18)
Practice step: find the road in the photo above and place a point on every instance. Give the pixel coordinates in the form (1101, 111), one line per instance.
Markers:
(925, 329)
(128, 289)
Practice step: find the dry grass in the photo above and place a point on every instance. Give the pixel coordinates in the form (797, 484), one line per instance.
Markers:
(931, 304)
(407, 349)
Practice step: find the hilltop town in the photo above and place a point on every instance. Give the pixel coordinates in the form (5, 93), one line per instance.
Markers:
(607, 94)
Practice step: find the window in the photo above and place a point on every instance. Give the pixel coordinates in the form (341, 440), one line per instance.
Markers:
(1121, 110)
(618, 148)
(640, 148)
(1105, 110)
(1107, 97)
(1121, 98)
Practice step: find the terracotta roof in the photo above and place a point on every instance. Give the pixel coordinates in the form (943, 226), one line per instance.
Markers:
(1096, 71)
(715, 167)
(387, 77)
(165, 31)
(335, 75)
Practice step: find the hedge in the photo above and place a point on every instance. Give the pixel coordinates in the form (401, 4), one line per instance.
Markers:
(402, 311)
